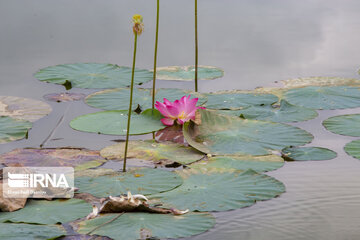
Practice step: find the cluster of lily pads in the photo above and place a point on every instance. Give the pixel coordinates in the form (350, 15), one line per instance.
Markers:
(229, 145)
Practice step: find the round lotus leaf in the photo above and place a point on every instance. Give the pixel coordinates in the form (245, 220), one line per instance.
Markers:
(215, 191)
(20, 231)
(12, 129)
(115, 122)
(48, 212)
(64, 97)
(333, 97)
(149, 226)
(23, 108)
(320, 81)
(153, 151)
(353, 149)
(308, 154)
(284, 112)
(240, 163)
(53, 157)
(348, 125)
(136, 180)
(226, 135)
(187, 73)
(92, 75)
(237, 100)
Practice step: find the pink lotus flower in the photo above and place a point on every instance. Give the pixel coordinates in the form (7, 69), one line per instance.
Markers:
(180, 111)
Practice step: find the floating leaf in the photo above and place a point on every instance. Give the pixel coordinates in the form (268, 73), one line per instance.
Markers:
(115, 122)
(53, 157)
(348, 125)
(9, 204)
(173, 133)
(138, 181)
(333, 97)
(308, 154)
(187, 73)
(237, 100)
(92, 75)
(64, 97)
(242, 163)
(151, 150)
(222, 135)
(321, 81)
(12, 231)
(284, 113)
(12, 129)
(214, 191)
(23, 108)
(353, 149)
(48, 212)
(146, 225)
(118, 99)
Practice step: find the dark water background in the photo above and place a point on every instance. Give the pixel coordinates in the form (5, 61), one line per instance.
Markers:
(255, 42)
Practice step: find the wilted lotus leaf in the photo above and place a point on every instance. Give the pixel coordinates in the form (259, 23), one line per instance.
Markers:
(64, 97)
(284, 112)
(48, 212)
(353, 149)
(320, 81)
(348, 125)
(115, 122)
(151, 150)
(147, 225)
(79, 158)
(10, 204)
(187, 73)
(226, 135)
(324, 97)
(118, 99)
(92, 75)
(240, 163)
(12, 129)
(308, 154)
(140, 180)
(238, 99)
(173, 133)
(215, 191)
(83, 237)
(18, 231)
(23, 108)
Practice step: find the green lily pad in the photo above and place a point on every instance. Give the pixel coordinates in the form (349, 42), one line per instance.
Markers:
(353, 149)
(118, 99)
(238, 100)
(92, 75)
(308, 154)
(12, 129)
(324, 97)
(48, 212)
(187, 73)
(226, 135)
(137, 180)
(320, 81)
(146, 225)
(25, 109)
(12, 231)
(53, 157)
(284, 113)
(115, 122)
(240, 163)
(153, 151)
(214, 191)
(348, 125)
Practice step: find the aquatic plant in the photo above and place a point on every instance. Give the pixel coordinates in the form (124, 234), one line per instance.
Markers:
(138, 27)
(196, 49)
(180, 111)
(155, 53)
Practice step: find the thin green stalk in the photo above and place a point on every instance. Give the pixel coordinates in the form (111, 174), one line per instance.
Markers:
(155, 56)
(196, 49)
(130, 105)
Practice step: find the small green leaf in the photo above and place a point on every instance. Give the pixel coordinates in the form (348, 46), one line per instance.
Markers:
(308, 154)
(348, 125)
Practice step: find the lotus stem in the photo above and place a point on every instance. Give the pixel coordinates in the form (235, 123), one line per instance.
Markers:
(155, 57)
(196, 49)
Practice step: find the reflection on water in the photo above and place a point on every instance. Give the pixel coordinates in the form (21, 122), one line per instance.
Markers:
(255, 42)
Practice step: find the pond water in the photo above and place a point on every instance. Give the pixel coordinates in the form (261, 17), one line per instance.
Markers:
(255, 42)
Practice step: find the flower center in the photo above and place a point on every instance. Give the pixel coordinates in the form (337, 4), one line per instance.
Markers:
(182, 115)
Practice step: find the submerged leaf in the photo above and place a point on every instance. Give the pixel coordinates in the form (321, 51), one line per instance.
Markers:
(308, 154)
(12, 129)
(187, 73)
(16, 231)
(320, 81)
(64, 97)
(348, 125)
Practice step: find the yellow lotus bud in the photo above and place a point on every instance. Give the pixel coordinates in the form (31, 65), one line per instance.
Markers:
(138, 26)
